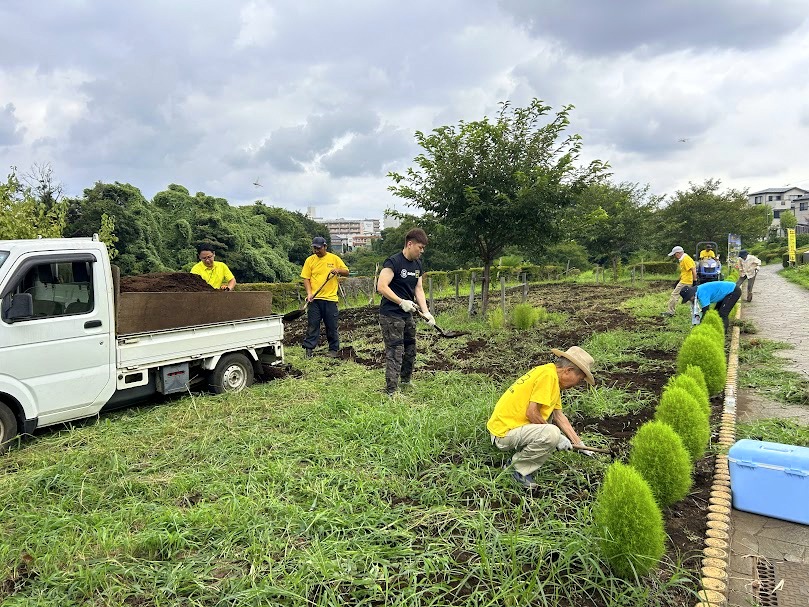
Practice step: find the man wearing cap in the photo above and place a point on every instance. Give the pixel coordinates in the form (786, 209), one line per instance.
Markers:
(319, 277)
(748, 266)
(528, 418)
(723, 293)
(688, 276)
(707, 252)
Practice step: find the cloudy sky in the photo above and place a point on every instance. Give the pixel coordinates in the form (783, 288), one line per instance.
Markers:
(319, 100)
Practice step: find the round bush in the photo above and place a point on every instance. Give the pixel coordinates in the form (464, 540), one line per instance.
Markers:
(695, 373)
(679, 410)
(711, 333)
(523, 316)
(712, 319)
(704, 352)
(659, 455)
(628, 522)
(690, 385)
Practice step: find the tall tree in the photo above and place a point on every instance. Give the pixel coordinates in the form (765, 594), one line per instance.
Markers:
(612, 221)
(495, 184)
(787, 220)
(704, 213)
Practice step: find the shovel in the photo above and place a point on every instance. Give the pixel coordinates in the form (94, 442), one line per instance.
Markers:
(441, 331)
(296, 314)
(610, 452)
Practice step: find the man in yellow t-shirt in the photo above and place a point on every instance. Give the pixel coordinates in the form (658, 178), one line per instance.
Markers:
(319, 277)
(688, 277)
(215, 273)
(707, 252)
(528, 417)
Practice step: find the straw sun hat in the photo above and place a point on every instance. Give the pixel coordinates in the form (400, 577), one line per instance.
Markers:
(580, 358)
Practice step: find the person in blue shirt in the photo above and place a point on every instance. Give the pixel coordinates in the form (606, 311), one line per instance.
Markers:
(722, 293)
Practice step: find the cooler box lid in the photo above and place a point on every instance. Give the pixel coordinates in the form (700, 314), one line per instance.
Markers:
(770, 455)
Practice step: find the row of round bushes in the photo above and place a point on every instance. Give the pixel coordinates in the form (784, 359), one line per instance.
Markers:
(662, 455)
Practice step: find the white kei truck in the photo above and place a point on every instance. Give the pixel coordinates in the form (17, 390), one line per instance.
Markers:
(72, 344)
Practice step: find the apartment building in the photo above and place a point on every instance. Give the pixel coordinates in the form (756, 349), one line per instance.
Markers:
(784, 199)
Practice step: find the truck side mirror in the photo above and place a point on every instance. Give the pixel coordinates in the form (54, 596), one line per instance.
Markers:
(16, 307)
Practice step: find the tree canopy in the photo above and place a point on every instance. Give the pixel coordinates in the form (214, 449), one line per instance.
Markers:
(497, 183)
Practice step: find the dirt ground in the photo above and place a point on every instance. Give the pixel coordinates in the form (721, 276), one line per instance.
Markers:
(164, 282)
(589, 309)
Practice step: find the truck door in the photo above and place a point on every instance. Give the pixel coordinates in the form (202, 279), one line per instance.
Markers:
(62, 355)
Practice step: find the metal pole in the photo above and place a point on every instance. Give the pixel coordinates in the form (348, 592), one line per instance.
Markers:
(503, 294)
(524, 286)
(457, 280)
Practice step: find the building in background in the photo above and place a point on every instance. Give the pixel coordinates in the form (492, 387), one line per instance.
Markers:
(347, 234)
(784, 199)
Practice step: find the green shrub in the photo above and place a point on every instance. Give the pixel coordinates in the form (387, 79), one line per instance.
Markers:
(711, 333)
(690, 385)
(628, 522)
(712, 319)
(523, 316)
(659, 455)
(679, 410)
(496, 319)
(695, 373)
(700, 350)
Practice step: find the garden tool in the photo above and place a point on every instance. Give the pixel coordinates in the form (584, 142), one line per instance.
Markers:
(296, 314)
(440, 330)
(610, 452)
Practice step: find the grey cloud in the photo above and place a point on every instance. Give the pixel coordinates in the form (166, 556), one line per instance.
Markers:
(594, 27)
(289, 148)
(10, 130)
(368, 154)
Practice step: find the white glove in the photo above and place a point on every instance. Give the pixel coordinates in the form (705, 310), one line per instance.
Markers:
(408, 306)
(564, 444)
(429, 318)
(587, 453)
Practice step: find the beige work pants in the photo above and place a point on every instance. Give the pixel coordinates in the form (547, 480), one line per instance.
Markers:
(533, 443)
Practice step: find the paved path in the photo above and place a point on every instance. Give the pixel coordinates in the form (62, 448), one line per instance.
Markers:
(765, 551)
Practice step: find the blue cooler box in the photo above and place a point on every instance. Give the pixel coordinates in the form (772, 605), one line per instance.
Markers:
(770, 479)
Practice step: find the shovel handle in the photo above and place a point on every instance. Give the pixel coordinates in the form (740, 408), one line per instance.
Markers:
(321, 287)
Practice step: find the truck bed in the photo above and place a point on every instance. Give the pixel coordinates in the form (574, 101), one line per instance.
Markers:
(168, 346)
(146, 312)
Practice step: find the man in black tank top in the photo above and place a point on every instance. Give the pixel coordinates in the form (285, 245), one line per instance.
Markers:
(402, 294)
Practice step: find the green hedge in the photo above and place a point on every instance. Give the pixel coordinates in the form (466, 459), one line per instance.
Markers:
(657, 267)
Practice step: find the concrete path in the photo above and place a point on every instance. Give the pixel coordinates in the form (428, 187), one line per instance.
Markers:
(764, 551)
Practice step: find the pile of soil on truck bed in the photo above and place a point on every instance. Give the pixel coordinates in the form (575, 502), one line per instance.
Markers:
(164, 282)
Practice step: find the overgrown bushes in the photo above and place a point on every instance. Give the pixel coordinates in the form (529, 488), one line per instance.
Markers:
(695, 373)
(523, 316)
(659, 455)
(713, 320)
(628, 522)
(694, 389)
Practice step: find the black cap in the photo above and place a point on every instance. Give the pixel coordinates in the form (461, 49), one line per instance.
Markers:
(687, 292)
(318, 241)
(742, 253)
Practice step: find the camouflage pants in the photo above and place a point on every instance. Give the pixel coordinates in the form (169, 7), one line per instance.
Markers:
(399, 335)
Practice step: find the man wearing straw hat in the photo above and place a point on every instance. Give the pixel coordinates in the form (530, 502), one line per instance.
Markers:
(528, 418)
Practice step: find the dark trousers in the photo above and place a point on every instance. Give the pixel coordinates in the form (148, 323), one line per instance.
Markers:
(317, 310)
(725, 305)
(399, 335)
(751, 280)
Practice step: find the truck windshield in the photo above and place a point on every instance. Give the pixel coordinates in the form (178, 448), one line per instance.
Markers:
(3, 256)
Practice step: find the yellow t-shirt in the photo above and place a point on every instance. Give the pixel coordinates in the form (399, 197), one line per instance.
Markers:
(541, 385)
(317, 269)
(686, 265)
(216, 276)
(705, 253)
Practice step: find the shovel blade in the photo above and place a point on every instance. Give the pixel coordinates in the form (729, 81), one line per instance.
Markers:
(294, 315)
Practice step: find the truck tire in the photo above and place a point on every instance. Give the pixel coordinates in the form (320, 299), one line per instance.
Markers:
(8, 427)
(233, 373)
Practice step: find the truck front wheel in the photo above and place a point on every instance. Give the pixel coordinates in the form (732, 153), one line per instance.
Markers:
(8, 427)
(233, 373)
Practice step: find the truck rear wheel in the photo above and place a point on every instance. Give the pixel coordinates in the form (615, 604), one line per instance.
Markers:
(8, 427)
(233, 373)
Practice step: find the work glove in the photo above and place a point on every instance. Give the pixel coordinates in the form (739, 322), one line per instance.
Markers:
(408, 306)
(564, 444)
(429, 318)
(587, 453)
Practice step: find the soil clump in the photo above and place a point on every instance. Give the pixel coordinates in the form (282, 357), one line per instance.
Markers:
(164, 282)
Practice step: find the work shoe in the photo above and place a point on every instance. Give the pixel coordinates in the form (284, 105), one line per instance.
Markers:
(405, 386)
(749, 298)
(333, 354)
(526, 480)
(308, 353)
